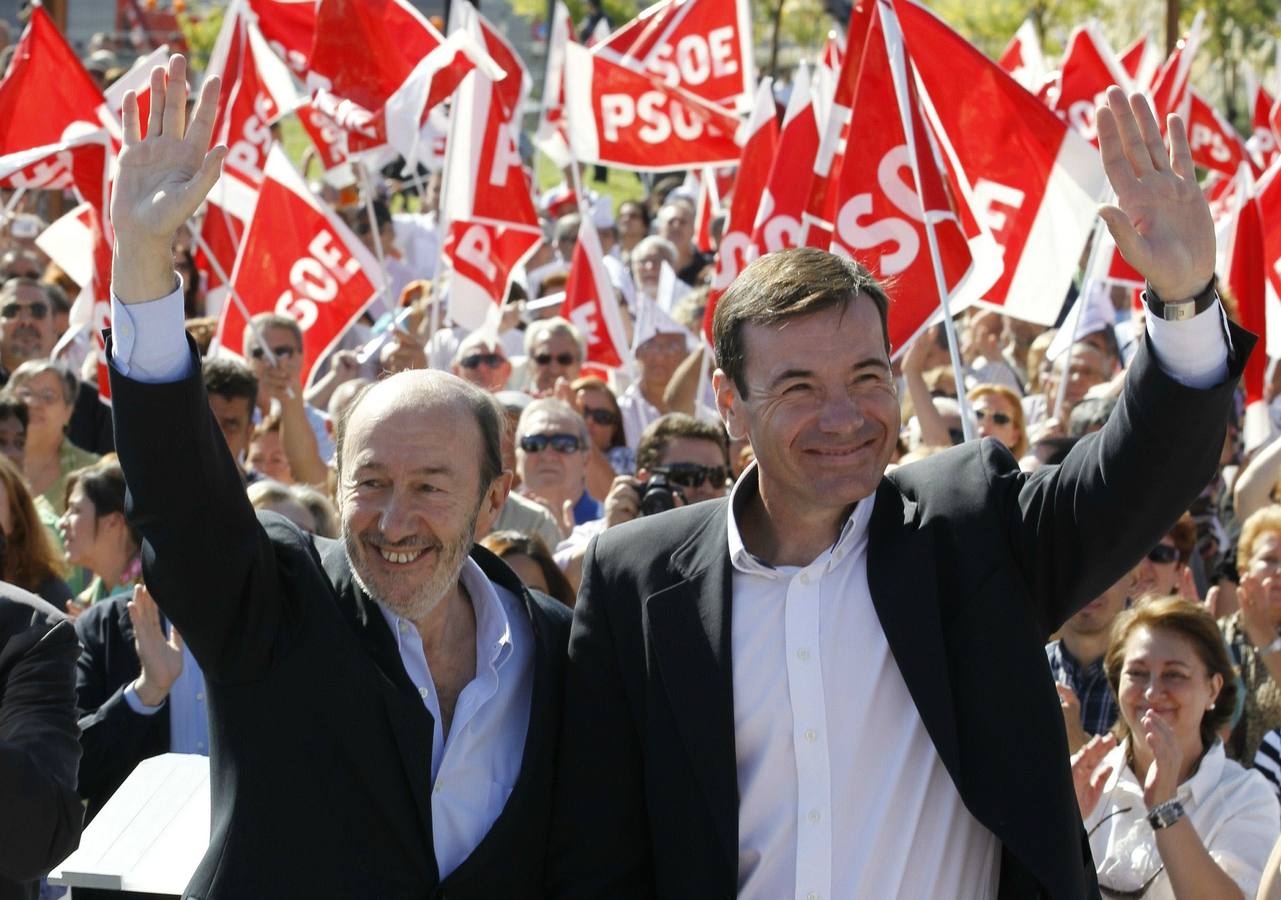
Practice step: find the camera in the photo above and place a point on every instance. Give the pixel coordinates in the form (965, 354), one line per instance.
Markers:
(658, 495)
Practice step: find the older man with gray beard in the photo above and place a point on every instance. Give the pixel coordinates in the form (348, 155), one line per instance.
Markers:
(382, 709)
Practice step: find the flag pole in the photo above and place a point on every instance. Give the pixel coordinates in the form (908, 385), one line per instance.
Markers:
(368, 190)
(1082, 297)
(235, 297)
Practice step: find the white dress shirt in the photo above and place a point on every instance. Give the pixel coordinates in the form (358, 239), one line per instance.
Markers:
(1232, 810)
(475, 767)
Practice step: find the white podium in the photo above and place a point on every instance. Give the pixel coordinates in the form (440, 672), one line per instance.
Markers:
(151, 834)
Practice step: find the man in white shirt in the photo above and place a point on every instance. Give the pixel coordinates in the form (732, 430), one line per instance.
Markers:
(790, 694)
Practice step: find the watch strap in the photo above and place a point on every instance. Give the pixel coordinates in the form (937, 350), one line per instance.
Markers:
(1163, 815)
(1180, 310)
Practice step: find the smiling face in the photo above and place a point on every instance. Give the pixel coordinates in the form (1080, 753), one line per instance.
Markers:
(1264, 570)
(410, 495)
(820, 407)
(47, 409)
(1162, 672)
(988, 409)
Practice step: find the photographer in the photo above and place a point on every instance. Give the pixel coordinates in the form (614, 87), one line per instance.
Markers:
(679, 460)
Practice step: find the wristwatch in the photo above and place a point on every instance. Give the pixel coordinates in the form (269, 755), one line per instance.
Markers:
(1163, 815)
(1180, 310)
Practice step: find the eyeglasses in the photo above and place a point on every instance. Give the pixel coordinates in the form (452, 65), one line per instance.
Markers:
(278, 352)
(999, 418)
(1163, 554)
(692, 475)
(26, 395)
(36, 310)
(562, 359)
(561, 443)
(957, 435)
(600, 416)
(491, 360)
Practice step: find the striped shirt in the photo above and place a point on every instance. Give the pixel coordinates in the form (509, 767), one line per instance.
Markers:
(1089, 683)
(1268, 760)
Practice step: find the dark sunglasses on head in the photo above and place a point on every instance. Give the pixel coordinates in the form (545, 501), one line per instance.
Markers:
(37, 310)
(492, 360)
(1163, 554)
(561, 443)
(278, 352)
(999, 418)
(600, 416)
(692, 475)
(562, 359)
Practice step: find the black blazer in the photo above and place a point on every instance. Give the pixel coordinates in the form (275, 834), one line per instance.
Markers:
(971, 565)
(320, 745)
(39, 811)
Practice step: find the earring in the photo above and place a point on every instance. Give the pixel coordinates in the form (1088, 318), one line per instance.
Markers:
(1212, 707)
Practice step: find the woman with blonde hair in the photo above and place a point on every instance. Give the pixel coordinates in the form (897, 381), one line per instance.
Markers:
(998, 413)
(31, 559)
(1168, 815)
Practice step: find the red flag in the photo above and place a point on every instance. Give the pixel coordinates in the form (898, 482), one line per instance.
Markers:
(1172, 90)
(290, 28)
(46, 96)
(1140, 62)
(1089, 69)
(1215, 143)
(759, 150)
(777, 225)
(1268, 196)
(591, 302)
(1262, 143)
(263, 92)
(888, 186)
(1036, 183)
(1248, 278)
(620, 117)
(1023, 58)
(550, 136)
(513, 89)
(298, 259)
(700, 46)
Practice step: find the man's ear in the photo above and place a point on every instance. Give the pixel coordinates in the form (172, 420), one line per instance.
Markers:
(491, 504)
(729, 403)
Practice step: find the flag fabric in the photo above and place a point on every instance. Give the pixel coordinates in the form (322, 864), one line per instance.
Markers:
(1215, 143)
(297, 258)
(759, 150)
(777, 225)
(1172, 89)
(591, 303)
(1141, 61)
(703, 47)
(1089, 69)
(1263, 141)
(290, 29)
(550, 136)
(1023, 57)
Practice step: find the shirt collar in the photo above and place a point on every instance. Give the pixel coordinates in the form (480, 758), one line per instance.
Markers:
(1194, 790)
(852, 532)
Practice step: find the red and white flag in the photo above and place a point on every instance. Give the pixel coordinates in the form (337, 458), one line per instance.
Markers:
(1172, 89)
(1089, 69)
(290, 28)
(591, 303)
(1215, 143)
(1263, 141)
(298, 259)
(777, 225)
(486, 200)
(1268, 197)
(1036, 183)
(550, 136)
(1248, 279)
(1023, 57)
(621, 117)
(703, 47)
(1141, 61)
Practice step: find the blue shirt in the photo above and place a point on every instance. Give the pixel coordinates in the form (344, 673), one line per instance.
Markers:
(188, 712)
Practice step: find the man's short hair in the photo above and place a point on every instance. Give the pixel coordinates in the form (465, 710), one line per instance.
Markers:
(552, 406)
(57, 297)
(478, 341)
(652, 242)
(10, 286)
(266, 320)
(660, 433)
(33, 367)
(566, 227)
(229, 378)
(1090, 414)
(797, 282)
(542, 329)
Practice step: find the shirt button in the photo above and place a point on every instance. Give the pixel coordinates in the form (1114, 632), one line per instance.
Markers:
(200, 696)
(812, 895)
(803, 655)
(404, 626)
(811, 735)
(422, 692)
(200, 745)
(815, 815)
(805, 579)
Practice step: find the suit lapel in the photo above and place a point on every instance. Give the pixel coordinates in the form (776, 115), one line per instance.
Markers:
(904, 584)
(689, 628)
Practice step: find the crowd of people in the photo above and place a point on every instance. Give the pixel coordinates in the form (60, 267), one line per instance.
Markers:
(1168, 681)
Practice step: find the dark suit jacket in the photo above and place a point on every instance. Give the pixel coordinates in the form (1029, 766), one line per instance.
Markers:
(39, 810)
(971, 565)
(320, 745)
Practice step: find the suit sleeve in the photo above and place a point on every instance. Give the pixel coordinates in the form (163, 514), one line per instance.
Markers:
(39, 752)
(206, 559)
(1078, 527)
(600, 845)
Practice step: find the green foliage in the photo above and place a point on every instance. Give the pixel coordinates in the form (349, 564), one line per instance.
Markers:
(201, 32)
(619, 11)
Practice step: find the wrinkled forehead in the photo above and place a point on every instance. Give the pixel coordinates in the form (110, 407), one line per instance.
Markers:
(543, 421)
(409, 427)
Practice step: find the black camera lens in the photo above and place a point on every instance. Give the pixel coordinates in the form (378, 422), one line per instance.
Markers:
(657, 495)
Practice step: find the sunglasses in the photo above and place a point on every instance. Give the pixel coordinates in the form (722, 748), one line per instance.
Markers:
(278, 352)
(561, 443)
(999, 418)
(692, 475)
(600, 416)
(1163, 554)
(491, 360)
(37, 310)
(562, 359)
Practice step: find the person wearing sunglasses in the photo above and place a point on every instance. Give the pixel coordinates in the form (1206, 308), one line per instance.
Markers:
(553, 349)
(280, 387)
(1168, 815)
(609, 455)
(551, 460)
(26, 323)
(1167, 568)
(998, 413)
(482, 361)
(49, 391)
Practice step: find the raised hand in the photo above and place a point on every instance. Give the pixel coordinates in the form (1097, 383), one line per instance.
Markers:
(160, 181)
(1087, 777)
(1162, 781)
(1161, 222)
(161, 659)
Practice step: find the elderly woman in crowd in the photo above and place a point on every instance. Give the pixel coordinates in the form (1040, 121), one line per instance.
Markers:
(31, 559)
(49, 391)
(530, 559)
(647, 267)
(608, 454)
(96, 533)
(1167, 813)
(1252, 633)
